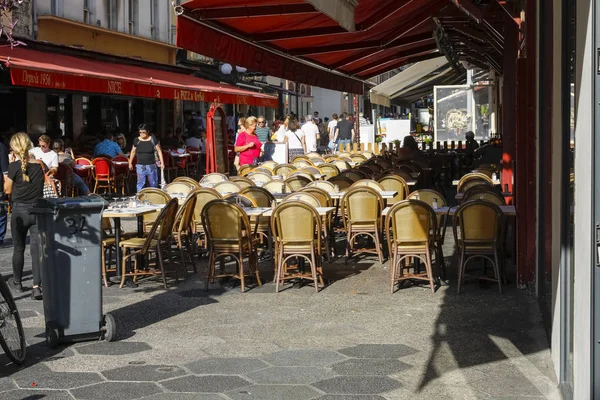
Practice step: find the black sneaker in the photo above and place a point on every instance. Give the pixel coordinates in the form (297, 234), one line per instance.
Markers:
(36, 293)
(15, 286)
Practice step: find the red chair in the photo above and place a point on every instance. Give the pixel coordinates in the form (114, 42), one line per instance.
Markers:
(170, 165)
(84, 173)
(121, 173)
(104, 174)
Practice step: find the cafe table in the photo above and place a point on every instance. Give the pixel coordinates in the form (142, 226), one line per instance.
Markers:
(120, 162)
(184, 155)
(386, 194)
(128, 213)
(84, 166)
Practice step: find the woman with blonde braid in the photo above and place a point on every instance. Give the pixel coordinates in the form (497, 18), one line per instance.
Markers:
(25, 184)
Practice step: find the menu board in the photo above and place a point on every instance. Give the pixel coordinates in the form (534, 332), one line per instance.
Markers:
(219, 144)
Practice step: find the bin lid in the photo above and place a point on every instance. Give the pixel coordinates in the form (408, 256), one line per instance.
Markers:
(71, 203)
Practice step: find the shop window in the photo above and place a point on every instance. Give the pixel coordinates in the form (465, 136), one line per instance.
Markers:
(133, 16)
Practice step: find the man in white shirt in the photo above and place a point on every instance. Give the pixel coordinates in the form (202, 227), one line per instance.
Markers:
(45, 153)
(311, 134)
(331, 128)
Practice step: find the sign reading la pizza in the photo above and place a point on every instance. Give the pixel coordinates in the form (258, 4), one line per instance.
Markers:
(188, 95)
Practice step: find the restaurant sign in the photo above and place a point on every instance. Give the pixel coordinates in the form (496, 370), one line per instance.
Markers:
(141, 88)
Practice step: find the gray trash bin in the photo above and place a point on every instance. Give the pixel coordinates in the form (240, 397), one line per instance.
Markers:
(70, 234)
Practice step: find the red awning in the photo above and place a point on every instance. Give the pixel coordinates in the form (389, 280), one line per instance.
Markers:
(54, 71)
(291, 39)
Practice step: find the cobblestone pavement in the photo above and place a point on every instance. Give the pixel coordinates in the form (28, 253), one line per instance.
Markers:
(353, 340)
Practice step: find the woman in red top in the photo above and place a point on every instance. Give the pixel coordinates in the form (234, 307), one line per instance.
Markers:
(247, 143)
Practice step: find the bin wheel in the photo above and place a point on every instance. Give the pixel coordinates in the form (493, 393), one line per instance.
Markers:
(52, 334)
(110, 327)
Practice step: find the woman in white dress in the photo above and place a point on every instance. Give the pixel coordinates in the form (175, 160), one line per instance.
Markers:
(294, 137)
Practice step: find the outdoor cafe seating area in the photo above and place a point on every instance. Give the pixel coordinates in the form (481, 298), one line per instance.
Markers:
(294, 215)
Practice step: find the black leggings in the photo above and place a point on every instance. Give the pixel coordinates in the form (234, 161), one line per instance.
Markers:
(22, 222)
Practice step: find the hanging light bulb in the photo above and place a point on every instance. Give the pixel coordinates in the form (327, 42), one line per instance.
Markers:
(226, 69)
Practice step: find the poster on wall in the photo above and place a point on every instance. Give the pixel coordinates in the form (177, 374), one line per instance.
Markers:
(394, 129)
(277, 152)
(367, 134)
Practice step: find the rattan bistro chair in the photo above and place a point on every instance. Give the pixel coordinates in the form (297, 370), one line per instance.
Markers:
(296, 226)
(183, 231)
(229, 234)
(203, 196)
(410, 224)
(227, 188)
(191, 182)
(340, 164)
(284, 169)
(329, 170)
(153, 196)
(341, 182)
(156, 242)
(178, 187)
(471, 179)
(262, 198)
(241, 181)
(369, 183)
(361, 212)
(213, 178)
(297, 182)
(477, 229)
(240, 199)
(259, 178)
(324, 185)
(483, 192)
(278, 187)
(396, 184)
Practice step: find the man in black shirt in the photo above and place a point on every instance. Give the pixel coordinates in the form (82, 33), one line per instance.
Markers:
(345, 131)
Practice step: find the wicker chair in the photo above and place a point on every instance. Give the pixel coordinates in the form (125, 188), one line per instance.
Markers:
(241, 181)
(178, 187)
(369, 183)
(477, 228)
(361, 211)
(325, 185)
(259, 178)
(296, 227)
(108, 244)
(473, 177)
(358, 158)
(270, 165)
(240, 199)
(203, 196)
(158, 240)
(297, 182)
(410, 224)
(302, 173)
(154, 196)
(192, 183)
(396, 184)
(305, 197)
(245, 170)
(278, 187)
(313, 171)
(213, 178)
(340, 164)
(341, 182)
(227, 188)
(183, 231)
(483, 192)
(263, 170)
(284, 169)
(228, 232)
(354, 175)
(329, 170)
(262, 198)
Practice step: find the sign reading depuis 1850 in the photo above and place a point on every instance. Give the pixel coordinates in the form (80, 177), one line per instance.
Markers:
(135, 87)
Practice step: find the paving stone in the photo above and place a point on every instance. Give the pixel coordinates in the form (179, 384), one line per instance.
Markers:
(376, 366)
(6, 384)
(185, 396)
(205, 383)
(113, 349)
(501, 386)
(25, 370)
(144, 373)
(58, 380)
(120, 390)
(378, 351)
(287, 375)
(23, 394)
(24, 314)
(300, 358)
(357, 385)
(270, 392)
(226, 366)
(350, 397)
